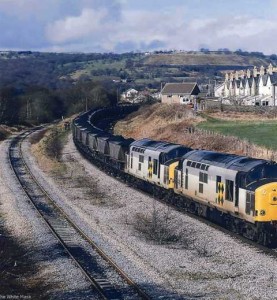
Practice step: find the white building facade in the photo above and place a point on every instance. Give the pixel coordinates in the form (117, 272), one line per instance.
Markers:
(251, 87)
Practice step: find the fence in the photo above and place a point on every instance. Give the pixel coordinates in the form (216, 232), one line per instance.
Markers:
(238, 146)
(217, 105)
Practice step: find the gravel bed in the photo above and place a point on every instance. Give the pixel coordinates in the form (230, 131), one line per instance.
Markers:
(212, 265)
(64, 279)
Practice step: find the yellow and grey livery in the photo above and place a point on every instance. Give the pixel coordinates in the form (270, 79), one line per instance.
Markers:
(240, 186)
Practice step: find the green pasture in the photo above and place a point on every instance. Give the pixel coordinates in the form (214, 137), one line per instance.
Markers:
(263, 133)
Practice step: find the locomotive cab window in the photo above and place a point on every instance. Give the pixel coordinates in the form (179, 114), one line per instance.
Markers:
(131, 161)
(187, 180)
(141, 159)
(250, 203)
(155, 166)
(166, 175)
(201, 188)
(229, 191)
(203, 177)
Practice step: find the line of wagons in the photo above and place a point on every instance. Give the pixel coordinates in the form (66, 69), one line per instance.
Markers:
(243, 189)
(90, 129)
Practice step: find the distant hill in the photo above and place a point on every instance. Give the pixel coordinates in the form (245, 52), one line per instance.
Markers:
(200, 58)
(139, 70)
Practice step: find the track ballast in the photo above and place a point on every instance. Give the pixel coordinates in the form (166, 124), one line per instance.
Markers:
(108, 281)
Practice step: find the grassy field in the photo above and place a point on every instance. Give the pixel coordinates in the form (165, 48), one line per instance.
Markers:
(198, 58)
(263, 133)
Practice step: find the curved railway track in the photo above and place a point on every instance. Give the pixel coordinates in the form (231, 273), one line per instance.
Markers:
(105, 276)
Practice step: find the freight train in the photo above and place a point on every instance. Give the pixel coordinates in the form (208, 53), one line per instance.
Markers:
(237, 192)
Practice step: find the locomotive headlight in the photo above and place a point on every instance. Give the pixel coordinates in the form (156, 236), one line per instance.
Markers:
(274, 198)
(262, 212)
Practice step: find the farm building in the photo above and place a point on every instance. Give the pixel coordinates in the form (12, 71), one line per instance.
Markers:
(183, 93)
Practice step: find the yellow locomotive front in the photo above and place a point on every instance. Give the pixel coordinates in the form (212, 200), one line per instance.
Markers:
(266, 203)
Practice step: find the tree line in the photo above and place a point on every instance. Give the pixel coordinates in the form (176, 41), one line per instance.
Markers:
(35, 104)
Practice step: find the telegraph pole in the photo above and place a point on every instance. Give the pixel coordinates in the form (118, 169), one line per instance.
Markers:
(28, 110)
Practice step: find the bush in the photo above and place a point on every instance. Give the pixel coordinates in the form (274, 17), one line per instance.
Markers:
(160, 227)
(54, 144)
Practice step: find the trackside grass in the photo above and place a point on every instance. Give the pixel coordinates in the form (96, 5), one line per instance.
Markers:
(262, 133)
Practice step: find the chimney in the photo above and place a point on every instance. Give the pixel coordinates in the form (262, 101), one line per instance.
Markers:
(226, 77)
(270, 69)
(255, 72)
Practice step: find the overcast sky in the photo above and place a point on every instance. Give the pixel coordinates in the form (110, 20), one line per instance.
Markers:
(132, 25)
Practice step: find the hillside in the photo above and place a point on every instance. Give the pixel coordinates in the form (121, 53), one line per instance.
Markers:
(240, 135)
(60, 70)
(200, 58)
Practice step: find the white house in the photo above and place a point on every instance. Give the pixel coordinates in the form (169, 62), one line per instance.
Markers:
(259, 83)
(130, 94)
(219, 90)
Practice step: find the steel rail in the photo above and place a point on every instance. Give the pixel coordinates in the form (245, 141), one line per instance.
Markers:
(96, 285)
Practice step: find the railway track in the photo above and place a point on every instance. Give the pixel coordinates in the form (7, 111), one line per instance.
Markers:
(106, 278)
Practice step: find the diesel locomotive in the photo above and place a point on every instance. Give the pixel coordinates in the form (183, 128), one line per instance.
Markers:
(238, 192)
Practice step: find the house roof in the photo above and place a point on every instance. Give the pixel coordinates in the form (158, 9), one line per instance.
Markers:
(273, 78)
(179, 88)
(265, 78)
(131, 90)
(243, 81)
(250, 81)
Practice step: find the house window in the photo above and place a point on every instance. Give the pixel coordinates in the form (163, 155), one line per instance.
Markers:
(139, 166)
(169, 96)
(155, 166)
(229, 192)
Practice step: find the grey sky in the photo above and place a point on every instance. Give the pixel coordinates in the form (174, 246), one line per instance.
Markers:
(131, 25)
